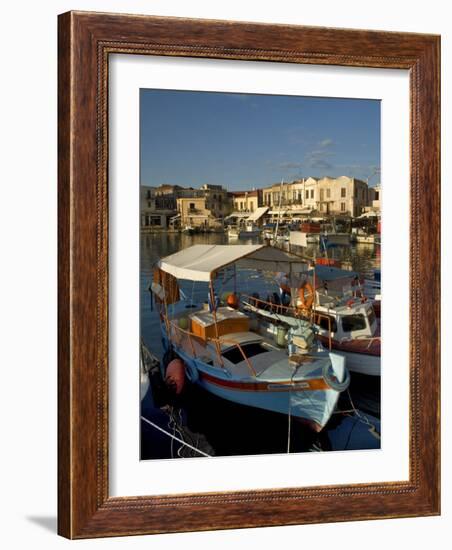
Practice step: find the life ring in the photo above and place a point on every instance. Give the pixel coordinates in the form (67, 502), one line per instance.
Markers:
(306, 298)
(333, 382)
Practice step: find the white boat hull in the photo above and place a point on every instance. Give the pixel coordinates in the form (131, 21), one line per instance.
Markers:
(315, 407)
(362, 363)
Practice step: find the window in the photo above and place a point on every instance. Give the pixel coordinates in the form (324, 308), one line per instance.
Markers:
(307, 194)
(343, 192)
(328, 193)
(342, 206)
(322, 194)
(353, 322)
(326, 322)
(192, 206)
(312, 193)
(252, 207)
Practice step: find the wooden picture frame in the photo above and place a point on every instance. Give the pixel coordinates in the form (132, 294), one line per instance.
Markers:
(85, 42)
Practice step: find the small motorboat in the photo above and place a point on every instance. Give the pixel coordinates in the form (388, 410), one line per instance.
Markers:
(233, 232)
(249, 230)
(344, 317)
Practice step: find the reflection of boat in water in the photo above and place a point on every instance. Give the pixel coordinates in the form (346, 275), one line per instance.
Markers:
(344, 317)
(229, 354)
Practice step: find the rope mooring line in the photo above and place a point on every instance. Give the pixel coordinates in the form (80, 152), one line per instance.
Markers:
(174, 437)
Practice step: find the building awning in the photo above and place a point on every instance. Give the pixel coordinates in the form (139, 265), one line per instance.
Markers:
(201, 262)
(237, 215)
(302, 211)
(278, 212)
(370, 214)
(258, 213)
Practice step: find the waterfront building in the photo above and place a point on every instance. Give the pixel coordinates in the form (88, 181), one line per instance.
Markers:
(194, 212)
(341, 196)
(375, 198)
(174, 206)
(246, 201)
(324, 196)
(218, 200)
(157, 206)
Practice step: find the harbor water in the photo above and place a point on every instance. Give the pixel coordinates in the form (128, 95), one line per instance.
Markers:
(232, 429)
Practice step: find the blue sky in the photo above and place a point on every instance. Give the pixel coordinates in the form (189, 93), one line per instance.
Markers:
(243, 141)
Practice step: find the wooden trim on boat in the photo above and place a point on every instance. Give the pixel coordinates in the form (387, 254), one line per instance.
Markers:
(286, 385)
(365, 346)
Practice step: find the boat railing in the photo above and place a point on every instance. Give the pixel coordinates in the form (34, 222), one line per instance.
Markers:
(276, 308)
(192, 337)
(308, 314)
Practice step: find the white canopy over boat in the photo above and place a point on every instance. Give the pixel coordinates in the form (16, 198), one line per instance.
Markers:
(370, 214)
(201, 261)
(238, 215)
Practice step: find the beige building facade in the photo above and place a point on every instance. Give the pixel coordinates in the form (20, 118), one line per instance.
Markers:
(246, 201)
(375, 198)
(218, 200)
(194, 212)
(342, 195)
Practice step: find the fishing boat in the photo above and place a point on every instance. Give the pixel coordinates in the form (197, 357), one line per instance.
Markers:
(233, 232)
(249, 230)
(334, 301)
(225, 350)
(189, 230)
(362, 237)
(372, 290)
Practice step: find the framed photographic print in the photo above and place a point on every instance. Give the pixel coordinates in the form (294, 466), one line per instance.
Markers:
(224, 248)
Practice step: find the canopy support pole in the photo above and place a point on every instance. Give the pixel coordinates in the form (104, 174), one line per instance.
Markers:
(214, 312)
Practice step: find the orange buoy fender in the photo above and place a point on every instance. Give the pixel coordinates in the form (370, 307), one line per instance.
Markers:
(233, 301)
(175, 375)
(306, 295)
